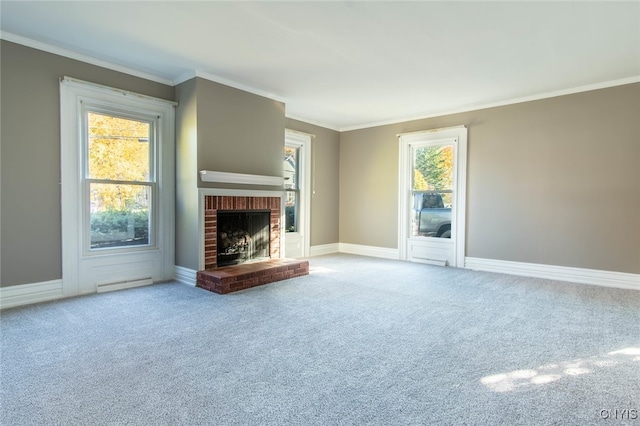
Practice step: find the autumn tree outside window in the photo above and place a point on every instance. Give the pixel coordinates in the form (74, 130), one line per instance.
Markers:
(120, 180)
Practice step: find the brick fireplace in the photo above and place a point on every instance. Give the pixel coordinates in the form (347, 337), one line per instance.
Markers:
(215, 203)
(227, 279)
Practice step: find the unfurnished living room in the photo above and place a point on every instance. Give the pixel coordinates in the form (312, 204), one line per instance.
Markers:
(319, 213)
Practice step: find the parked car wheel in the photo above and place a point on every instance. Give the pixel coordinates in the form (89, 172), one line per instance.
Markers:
(445, 232)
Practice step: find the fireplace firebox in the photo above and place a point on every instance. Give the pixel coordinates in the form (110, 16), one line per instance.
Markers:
(243, 235)
(214, 205)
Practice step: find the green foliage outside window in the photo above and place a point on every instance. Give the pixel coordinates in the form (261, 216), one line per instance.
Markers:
(119, 227)
(433, 168)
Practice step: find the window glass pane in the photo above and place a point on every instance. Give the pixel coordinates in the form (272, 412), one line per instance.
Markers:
(118, 148)
(291, 167)
(119, 215)
(291, 211)
(432, 191)
(433, 168)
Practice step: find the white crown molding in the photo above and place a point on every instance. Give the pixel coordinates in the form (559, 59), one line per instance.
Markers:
(239, 178)
(512, 101)
(313, 122)
(231, 83)
(186, 76)
(559, 273)
(227, 82)
(60, 51)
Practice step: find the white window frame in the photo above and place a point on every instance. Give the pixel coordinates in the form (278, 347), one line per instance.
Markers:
(75, 254)
(458, 137)
(113, 110)
(302, 141)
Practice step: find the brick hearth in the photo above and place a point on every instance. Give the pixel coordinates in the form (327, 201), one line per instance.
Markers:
(232, 278)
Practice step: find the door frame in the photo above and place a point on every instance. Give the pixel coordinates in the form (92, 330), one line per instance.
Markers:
(302, 238)
(143, 266)
(458, 136)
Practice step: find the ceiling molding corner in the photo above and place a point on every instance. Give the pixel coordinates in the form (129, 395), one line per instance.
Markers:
(313, 122)
(231, 83)
(82, 57)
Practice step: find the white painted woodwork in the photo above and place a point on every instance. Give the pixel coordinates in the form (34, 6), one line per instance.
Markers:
(85, 270)
(442, 251)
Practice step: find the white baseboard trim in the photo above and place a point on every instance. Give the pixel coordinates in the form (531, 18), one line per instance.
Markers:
(185, 275)
(25, 294)
(324, 249)
(560, 273)
(386, 253)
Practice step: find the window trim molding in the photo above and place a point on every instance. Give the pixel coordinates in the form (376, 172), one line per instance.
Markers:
(406, 141)
(72, 93)
(303, 142)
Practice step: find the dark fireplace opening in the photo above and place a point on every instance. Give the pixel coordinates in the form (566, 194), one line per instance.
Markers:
(243, 235)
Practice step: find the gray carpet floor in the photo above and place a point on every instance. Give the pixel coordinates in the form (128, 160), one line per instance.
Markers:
(358, 341)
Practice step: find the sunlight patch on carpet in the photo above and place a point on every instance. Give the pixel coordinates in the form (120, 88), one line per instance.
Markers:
(548, 373)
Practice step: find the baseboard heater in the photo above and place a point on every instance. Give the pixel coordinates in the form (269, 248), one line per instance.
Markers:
(121, 285)
(432, 261)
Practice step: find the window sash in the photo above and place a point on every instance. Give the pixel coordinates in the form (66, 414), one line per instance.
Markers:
(89, 242)
(130, 226)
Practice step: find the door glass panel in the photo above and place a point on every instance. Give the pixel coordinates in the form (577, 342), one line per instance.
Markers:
(432, 191)
(118, 148)
(291, 211)
(119, 215)
(290, 167)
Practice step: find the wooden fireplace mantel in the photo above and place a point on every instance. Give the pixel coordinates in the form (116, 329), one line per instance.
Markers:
(240, 178)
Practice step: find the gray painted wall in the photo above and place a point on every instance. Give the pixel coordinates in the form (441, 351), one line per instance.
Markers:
(224, 129)
(186, 175)
(238, 132)
(30, 170)
(554, 181)
(220, 128)
(325, 159)
(217, 128)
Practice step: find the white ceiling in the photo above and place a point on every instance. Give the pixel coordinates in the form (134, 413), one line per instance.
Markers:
(348, 65)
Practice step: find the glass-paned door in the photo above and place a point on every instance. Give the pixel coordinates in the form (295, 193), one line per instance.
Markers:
(291, 187)
(431, 196)
(297, 191)
(119, 181)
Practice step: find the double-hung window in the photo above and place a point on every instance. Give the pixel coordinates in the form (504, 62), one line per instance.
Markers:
(120, 179)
